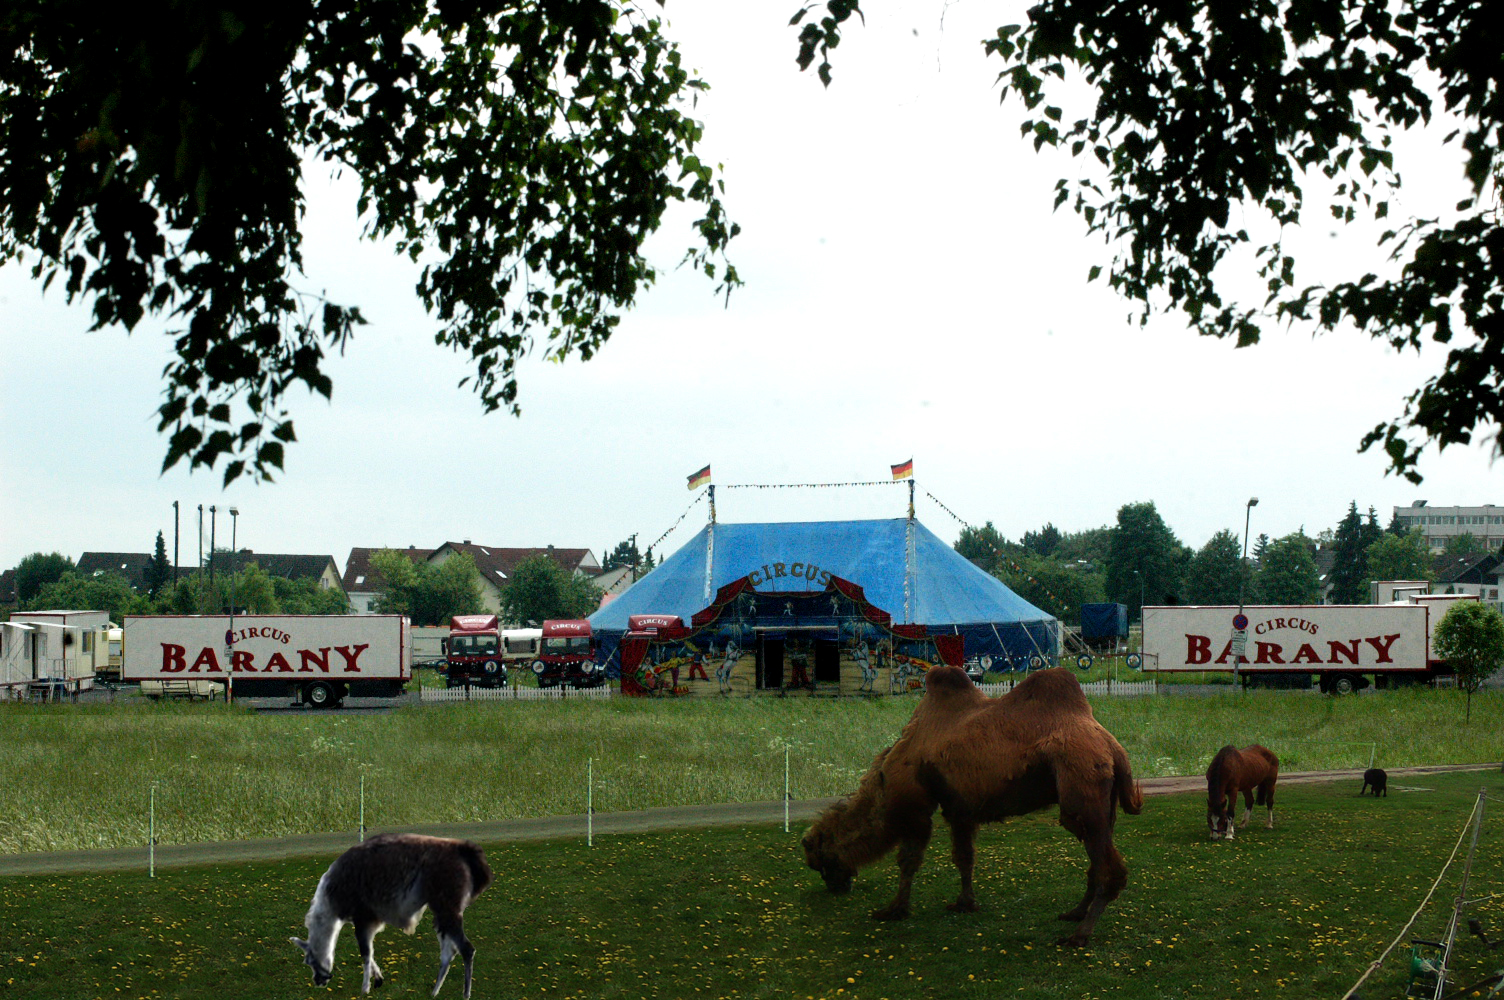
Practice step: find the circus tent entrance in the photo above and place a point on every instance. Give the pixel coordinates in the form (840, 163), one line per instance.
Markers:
(821, 643)
(799, 659)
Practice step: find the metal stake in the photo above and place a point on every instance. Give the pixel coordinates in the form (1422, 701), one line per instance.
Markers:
(151, 834)
(590, 802)
(785, 789)
(362, 808)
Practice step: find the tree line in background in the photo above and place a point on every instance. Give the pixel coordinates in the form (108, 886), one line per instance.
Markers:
(46, 580)
(431, 593)
(1139, 561)
(428, 593)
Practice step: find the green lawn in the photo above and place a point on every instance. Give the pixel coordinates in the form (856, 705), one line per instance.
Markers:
(1295, 912)
(79, 776)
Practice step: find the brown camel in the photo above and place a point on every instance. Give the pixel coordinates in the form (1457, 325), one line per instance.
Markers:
(979, 760)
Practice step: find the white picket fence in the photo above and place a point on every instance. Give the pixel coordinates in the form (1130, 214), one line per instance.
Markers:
(513, 693)
(1095, 687)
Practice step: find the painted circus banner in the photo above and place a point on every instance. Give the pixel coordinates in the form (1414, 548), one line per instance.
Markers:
(830, 641)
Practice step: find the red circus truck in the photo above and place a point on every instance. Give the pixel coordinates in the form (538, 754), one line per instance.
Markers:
(318, 660)
(1342, 645)
(475, 655)
(568, 655)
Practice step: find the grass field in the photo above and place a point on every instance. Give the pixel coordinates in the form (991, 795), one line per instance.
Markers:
(1295, 912)
(78, 776)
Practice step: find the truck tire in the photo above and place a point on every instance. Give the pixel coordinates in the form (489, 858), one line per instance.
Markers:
(319, 695)
(493, 672)
(1346, 684)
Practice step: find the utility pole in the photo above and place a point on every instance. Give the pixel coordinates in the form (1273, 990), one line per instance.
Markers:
(212, 511)
(174, 541)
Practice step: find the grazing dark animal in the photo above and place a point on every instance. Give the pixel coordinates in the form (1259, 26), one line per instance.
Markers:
(391, 879)
(1250, 770)
(979, 759)
(1378, 780)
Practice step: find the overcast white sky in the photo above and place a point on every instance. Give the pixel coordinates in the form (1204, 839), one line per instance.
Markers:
(909, 293)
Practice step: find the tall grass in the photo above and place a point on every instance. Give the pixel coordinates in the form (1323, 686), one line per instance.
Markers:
(78, 776)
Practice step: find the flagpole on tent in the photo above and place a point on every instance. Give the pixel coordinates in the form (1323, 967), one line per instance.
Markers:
(908, 560)
(710, 545)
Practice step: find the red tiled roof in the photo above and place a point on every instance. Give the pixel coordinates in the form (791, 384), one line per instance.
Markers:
(359, 576)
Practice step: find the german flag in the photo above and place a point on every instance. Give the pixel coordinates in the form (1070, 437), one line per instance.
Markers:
(904, 470)
(701, 478)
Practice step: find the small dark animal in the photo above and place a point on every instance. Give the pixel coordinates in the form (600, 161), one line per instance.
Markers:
(979, 759)
(1376, 779)
(1250, 770)
(391, 879)
(1475, 926)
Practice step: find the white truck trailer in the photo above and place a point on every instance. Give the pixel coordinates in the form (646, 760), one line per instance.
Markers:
(1341, 645)
(317, 660)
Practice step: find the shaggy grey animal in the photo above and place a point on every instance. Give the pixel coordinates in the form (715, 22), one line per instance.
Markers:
(391, 879)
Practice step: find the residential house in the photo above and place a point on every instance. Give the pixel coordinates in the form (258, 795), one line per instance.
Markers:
(361, 582)
(1473, 573)
(322, 569)
(496, 565)
(131, 565)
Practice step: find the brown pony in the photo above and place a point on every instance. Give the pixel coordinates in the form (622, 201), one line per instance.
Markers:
(978, 760)
(1233, 771)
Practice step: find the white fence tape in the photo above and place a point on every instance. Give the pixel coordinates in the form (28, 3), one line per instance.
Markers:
(511, 693)
(1095, 687)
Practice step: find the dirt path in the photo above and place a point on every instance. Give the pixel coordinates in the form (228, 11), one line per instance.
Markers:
(547, 828)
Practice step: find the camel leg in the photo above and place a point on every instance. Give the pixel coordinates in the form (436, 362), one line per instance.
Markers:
(963, 851)
(910, 856)
(1106, 875)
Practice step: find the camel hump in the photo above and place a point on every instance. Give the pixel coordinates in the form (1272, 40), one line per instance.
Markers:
(1057, 685)
(946, 678)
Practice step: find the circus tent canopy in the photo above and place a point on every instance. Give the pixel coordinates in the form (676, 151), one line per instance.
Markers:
(903, 567)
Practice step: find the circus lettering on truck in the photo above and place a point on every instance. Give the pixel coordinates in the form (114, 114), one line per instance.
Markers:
(315, 660)
(568, 655)
(1345, 647)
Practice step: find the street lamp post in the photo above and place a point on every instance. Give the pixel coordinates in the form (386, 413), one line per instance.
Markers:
(230, 636)
(1238, 647)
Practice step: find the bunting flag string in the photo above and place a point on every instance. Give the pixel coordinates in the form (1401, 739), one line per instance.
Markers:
(803, 486)
(1017, 569)
(678, 522)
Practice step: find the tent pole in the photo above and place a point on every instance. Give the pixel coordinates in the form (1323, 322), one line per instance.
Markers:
(710, 546)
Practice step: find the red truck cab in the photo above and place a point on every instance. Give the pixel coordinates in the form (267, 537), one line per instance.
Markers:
(474, 653)
(568, 655)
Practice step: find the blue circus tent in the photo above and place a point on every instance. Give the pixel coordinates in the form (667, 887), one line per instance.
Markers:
(903, 568)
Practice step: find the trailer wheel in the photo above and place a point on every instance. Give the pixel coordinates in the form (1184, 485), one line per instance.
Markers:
(318, 695)
(1345, 684)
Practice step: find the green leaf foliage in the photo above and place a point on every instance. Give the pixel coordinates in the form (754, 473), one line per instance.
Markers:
(107, 592)
(541, 589)
(1145, 560)
(1287, 573)
(1399, 557)
(37, 570)
(524, 151)
(1217, 573)
(1197, 122)
(428, 593)
(1470, 637)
